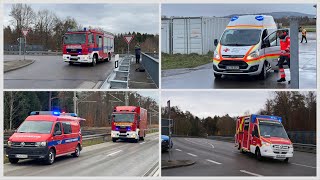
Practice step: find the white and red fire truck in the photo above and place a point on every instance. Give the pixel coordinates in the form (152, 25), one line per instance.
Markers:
(87, 46)
(129, 122)
(263, 136)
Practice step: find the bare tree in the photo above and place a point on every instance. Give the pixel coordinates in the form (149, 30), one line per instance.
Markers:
(22, 15)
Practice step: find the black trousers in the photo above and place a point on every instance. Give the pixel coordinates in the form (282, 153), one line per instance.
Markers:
(137, 58)
(304, 37)
(282, 60)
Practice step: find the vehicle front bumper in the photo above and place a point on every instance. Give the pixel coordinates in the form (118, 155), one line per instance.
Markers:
(126, 135)
(253, 68)
(31, 152)
(267, 151)
(77, 58)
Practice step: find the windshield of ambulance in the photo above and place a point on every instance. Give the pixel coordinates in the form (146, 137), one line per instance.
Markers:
(74, 38)
(272, 129)
(240, 37)
(41, 127)
(123, 117)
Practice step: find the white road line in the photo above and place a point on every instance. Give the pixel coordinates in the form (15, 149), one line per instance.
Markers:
(303, 165)
(215, 162)
(199, 143)
(178, 150)
(247, 172)
(211, 145)
(192, 155)
(111, 154)
(142, 142)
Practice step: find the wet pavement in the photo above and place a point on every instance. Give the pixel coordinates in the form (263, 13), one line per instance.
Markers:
(202, 77)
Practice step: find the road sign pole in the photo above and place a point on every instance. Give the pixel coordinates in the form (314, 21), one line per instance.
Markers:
(128, 48)
(19, 46)
(24, 49)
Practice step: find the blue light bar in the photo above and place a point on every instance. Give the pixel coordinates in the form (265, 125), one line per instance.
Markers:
(234, 18)
(117, 128)
(259, 18)
(128, 128)
(56, 113)
(254, 117)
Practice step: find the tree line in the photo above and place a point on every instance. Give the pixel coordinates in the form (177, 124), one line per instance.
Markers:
(46, 30)
(95, 107)
(298, 111)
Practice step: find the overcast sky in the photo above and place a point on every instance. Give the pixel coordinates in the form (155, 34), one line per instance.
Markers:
(115, 18)
(204, 104)
(228, 9)
(152, 94)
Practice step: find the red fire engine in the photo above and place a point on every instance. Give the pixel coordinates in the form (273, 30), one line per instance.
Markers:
(263, 136)
(87, 46)
(129, 122)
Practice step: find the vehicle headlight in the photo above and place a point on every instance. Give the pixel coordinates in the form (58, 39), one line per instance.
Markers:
(253, 55)
(9, 143)
(41, 144)
(133, 135)
(216, 55)
(265, 143)
(291, 146)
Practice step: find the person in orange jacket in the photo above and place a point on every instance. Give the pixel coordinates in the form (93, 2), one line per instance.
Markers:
(284, 53)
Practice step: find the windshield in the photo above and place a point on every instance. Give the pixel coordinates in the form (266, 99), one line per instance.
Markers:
(41, 127)
(123, 117)
(74, 39)
(272, 129)
(240, 37)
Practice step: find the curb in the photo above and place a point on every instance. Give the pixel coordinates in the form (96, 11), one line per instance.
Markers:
(178, 165)
(18, 67)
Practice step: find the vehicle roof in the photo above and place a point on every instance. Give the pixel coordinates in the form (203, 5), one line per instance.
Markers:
(51, 118)
(252, 22)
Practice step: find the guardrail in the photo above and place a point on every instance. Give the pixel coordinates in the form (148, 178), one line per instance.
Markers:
(151, 65)
(34, 53)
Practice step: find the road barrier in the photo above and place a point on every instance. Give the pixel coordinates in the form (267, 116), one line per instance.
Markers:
(150, 62)
(34, 53)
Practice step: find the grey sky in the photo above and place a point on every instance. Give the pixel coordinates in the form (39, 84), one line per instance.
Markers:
(115, 18)
(203, 104)
(152, 94)
(228, 9)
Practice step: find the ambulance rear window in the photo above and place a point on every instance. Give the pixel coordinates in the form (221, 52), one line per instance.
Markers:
(39, 127)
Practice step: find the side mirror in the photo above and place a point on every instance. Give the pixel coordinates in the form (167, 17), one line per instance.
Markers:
(216, 42)
(57, 133)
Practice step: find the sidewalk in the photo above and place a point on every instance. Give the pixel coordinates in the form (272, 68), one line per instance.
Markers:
(16, 64)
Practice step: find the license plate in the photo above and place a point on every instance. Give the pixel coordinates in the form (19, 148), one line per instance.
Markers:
(280, 156)
(123, 134)
(232, 67)
(21, 156)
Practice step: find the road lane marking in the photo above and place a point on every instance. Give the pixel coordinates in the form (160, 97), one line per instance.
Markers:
(142, 142)
(211, 145)
(247, 172)
(178, 150)
(192, 154)
(215, 162)
(303, 165)
(199, 143)
(111, 154)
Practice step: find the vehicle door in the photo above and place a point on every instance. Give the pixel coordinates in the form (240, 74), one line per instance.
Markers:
(255, 135)
(271, 49)
(58, 139)
(100, 45)
(70, 138)
(246, 133)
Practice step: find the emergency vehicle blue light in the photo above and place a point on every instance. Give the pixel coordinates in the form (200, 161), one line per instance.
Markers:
(117, 128)
(85, 29)
(33, 113)
(128, 128)
(259, 18)
(234, 18)
(266, 117)
(56, 113)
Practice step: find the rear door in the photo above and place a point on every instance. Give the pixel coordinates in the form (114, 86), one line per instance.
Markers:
(271, 49)
(245, 142)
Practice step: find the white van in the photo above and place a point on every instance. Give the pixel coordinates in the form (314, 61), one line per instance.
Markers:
(249, 45)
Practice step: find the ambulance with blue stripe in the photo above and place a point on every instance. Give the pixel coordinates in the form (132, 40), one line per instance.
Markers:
(87, 46)
(248, 46)
(45, 135)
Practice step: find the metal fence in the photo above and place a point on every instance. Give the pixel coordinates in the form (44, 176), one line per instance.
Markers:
(303, 137)
(151, 63)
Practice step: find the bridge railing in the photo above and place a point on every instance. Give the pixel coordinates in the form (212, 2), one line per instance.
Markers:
(150, 62)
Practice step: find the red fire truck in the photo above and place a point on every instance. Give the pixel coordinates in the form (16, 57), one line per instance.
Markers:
(87, 46)
(129, 122)
(263, 136)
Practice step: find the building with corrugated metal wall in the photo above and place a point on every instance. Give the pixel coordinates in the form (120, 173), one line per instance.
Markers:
(191, 34)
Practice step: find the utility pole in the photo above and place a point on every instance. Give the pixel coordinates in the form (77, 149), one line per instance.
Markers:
(126, 98)
(49, 103)
(74, 101)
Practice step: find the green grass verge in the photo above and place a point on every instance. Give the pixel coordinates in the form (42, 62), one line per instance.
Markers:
(175, 61)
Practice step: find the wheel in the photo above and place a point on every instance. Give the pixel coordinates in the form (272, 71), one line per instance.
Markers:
(13, 160)
(70, 63)
(263, 73)
(239, 146)
(114, 139)
(50, 157)
(218, 76)
(94, 60)
(286, 160)
(258, 154)
(76, 152)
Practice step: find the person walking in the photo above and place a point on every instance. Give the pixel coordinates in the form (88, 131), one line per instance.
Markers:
(284, 53)
(303, 35)
(137, 52)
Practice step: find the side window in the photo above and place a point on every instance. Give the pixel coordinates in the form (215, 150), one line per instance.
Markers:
(57, 127)
(272, 39)
(66, 128)
(246, 124)
(255, 131)
(90, 38)
(99, 40)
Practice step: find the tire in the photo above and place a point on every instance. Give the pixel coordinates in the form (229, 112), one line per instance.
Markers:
(94, 60)
(218, 76)
(263, 74)
(114, 140)
(258, 154)
(50, 157)
(13, 160)
(286, 160)
(76, 152)
(239, 146)
(70, 63)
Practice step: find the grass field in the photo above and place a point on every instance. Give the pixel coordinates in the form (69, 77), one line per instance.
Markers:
(175, 61)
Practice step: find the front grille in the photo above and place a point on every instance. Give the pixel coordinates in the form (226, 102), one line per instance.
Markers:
(224, 63)
(23, 144)
(74, 50)
(280, 149)
(232, 56)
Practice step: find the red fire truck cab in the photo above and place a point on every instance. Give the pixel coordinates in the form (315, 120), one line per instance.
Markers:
(129, 122)
(263, 136)
(46, 135)
(87, 46)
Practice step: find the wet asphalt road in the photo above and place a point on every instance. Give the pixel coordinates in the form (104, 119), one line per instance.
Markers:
(202, 77)
(106, 159)
(50, 72)
(218, 158)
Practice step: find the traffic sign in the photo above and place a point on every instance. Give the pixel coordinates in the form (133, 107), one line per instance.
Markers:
(128, 38)
(25, 32)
